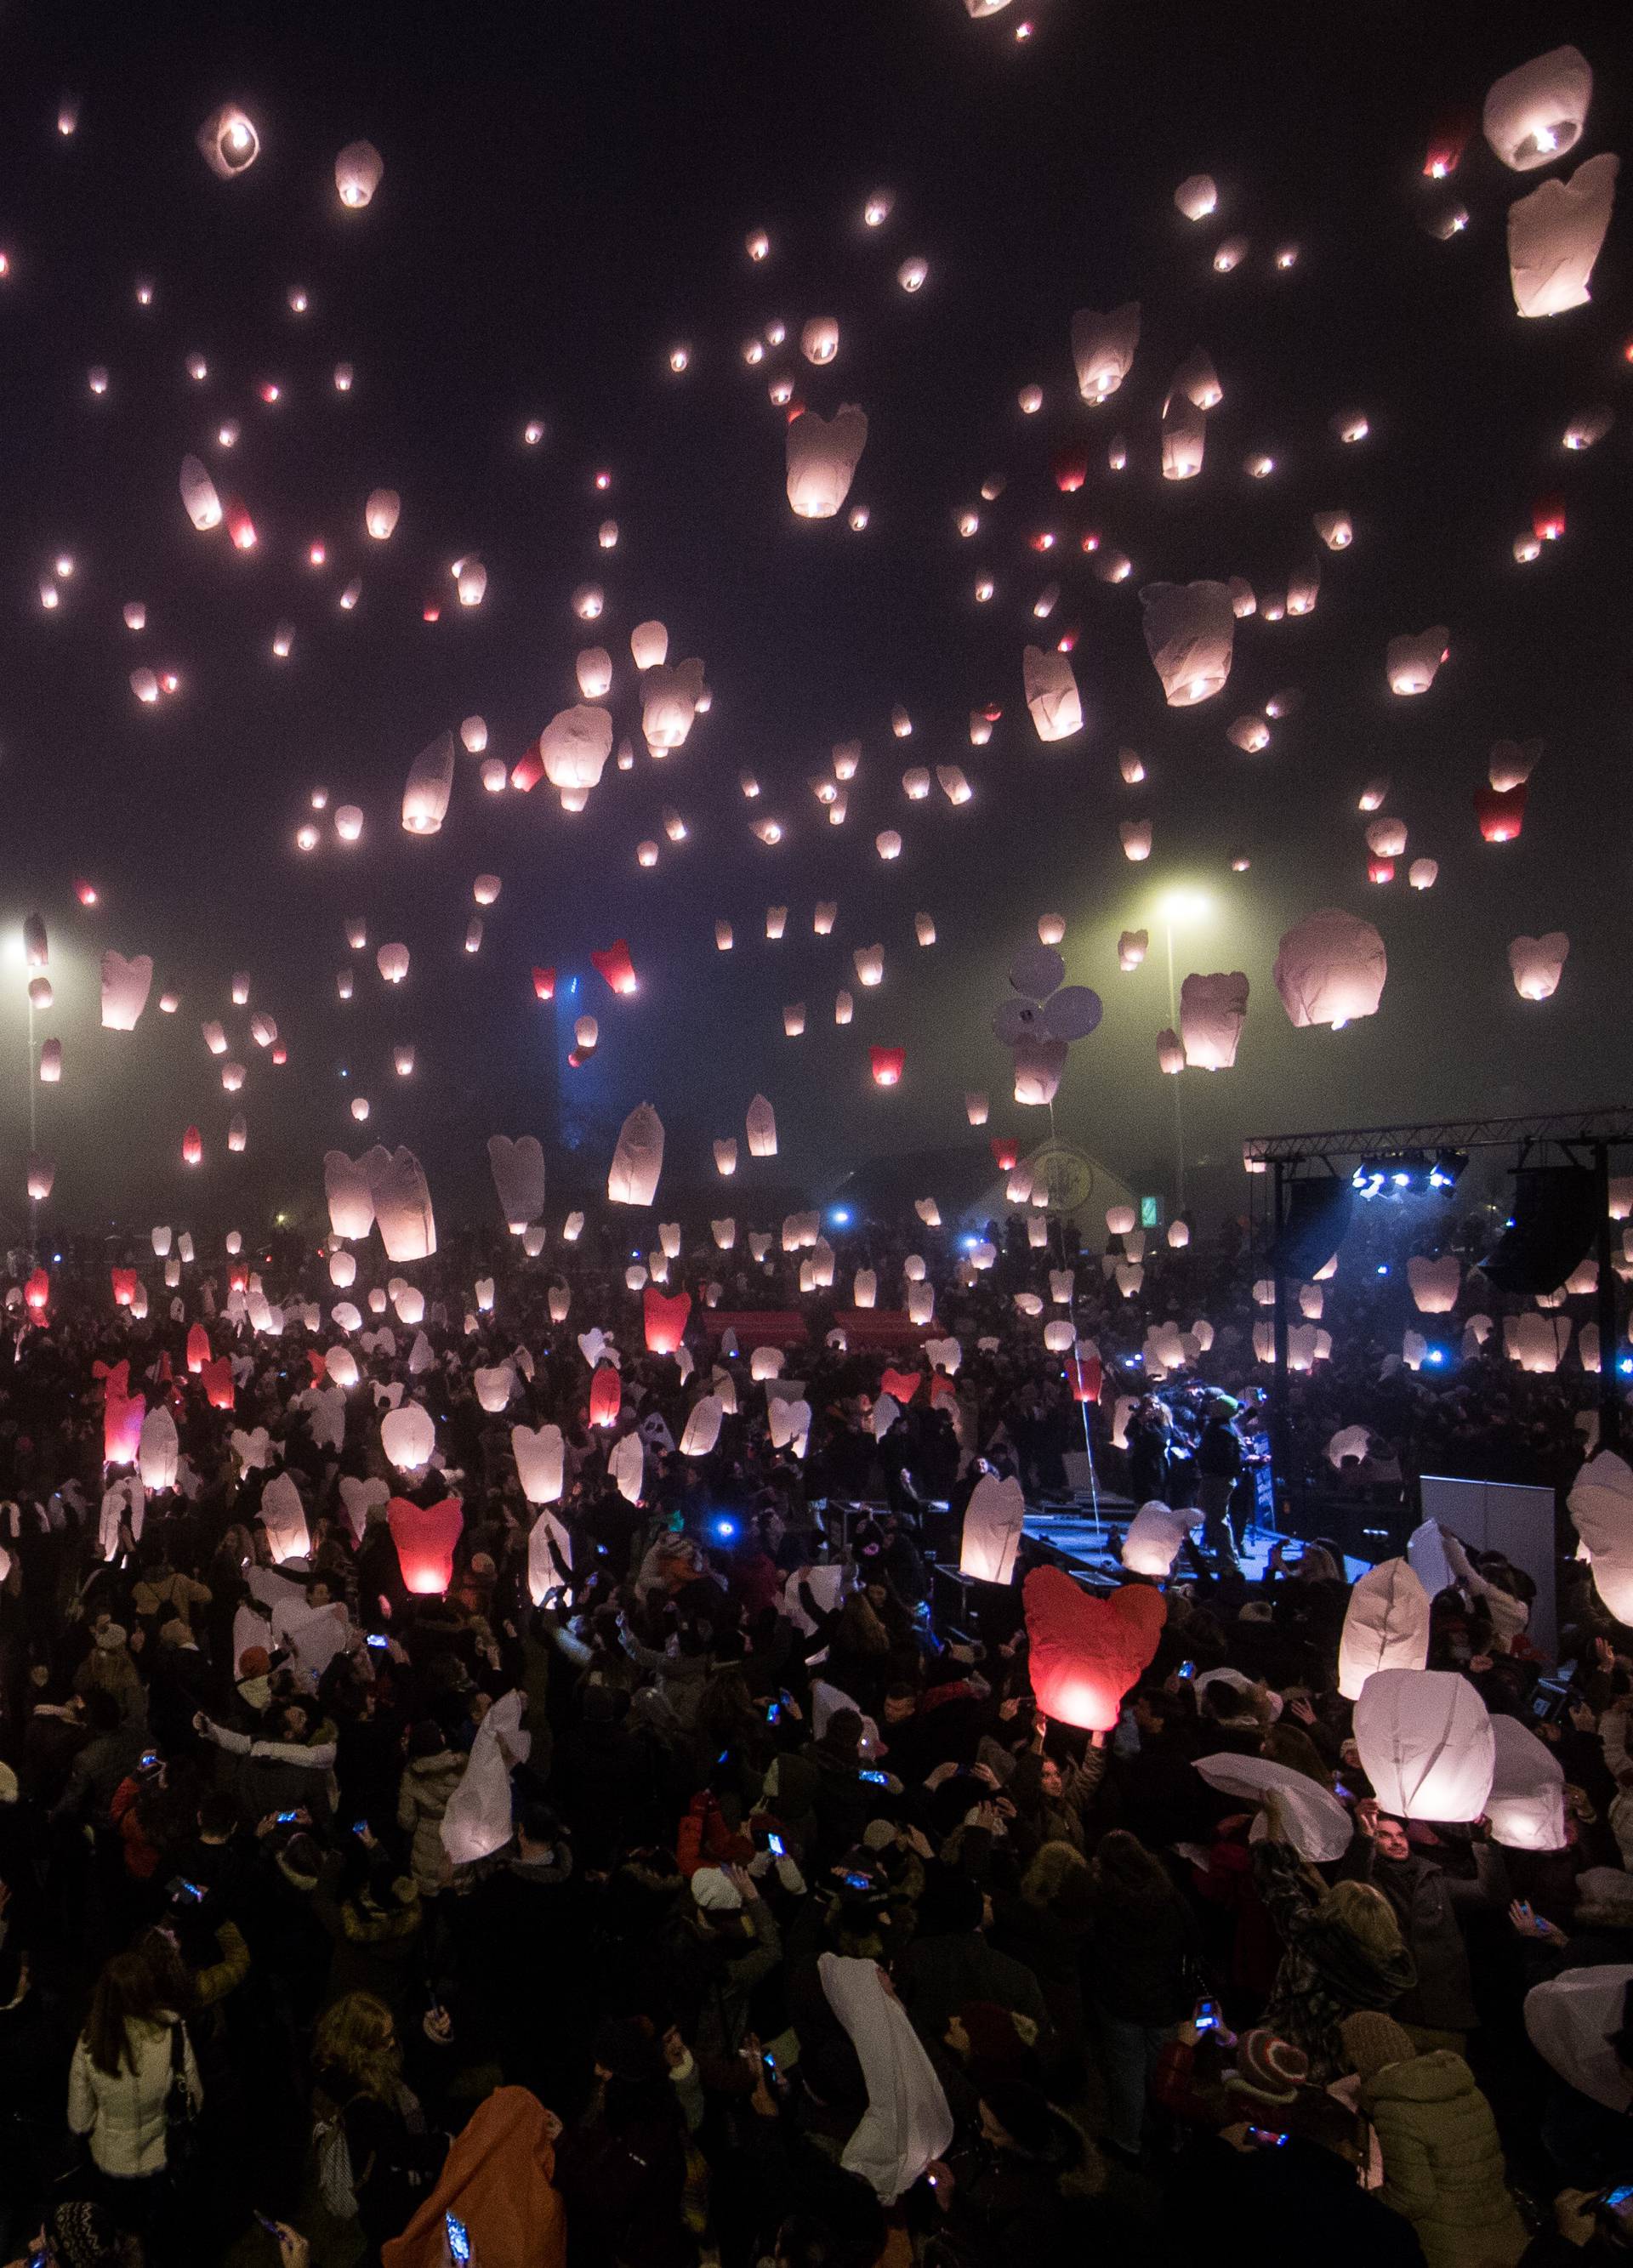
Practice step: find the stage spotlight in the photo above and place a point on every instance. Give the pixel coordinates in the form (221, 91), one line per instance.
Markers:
(1408, 1173)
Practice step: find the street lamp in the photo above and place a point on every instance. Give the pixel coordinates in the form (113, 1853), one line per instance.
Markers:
(1178, 910)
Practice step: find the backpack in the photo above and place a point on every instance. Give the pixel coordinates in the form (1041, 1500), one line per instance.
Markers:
(337, 2183)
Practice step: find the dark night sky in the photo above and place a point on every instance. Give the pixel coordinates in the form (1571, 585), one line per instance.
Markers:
(566, 194)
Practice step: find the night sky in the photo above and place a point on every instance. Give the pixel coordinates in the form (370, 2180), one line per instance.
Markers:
(566, 195)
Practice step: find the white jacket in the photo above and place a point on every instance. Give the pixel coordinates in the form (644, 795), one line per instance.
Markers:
(124, 2115)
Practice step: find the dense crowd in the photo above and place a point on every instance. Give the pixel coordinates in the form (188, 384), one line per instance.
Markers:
(712, 1895)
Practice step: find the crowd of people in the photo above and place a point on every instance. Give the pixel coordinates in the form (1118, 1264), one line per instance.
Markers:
(723, 1895)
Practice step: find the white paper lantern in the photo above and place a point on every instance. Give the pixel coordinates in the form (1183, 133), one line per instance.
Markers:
(1051, 694)
(1411, 662)
(1385, 1624)
(402, 1208)
(638, 1162)
(518, 1170)
(1103, 350)
(992, 1521)
(761, 1123)
(1213, 1009)
(1527, 1805)
(357, 171)
(1536, 113)
(1426, 1743)
(1330, 969)
(822, 454)
(1538, 964)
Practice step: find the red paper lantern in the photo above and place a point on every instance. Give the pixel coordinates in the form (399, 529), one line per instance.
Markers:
(544, 984)
(87, 893)
(527, 771)
(192, 1147)
(1445, 148)
(1380, 870)
(888, 1064)
(665, 1320)
(1500, 813)
(426, 1535)
(1071, 469)
(121, 1426)
(1084, 1378)
(216, 1379)
(1004, 1154)
(280, 1053)
(197, 1348)
(37, 1293)
(606, 1395)
(124, 1281)
(241, 527)
(238, 1276)
(432, 611)
(615, 966)
(900, 1384)
(320, 1366)
(1087, 1652)
(1548, 521)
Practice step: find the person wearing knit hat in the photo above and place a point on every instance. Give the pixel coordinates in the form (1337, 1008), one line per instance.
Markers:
(713, 1892)
(1443, 2168)
(1372, 2041)
(255, 1661)
(84, 2234)
(1267, 2069)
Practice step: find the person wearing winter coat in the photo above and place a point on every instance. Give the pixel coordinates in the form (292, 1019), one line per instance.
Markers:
(1443, 2162)
(1429, 1904)
(1342, 1951)
(429, 1778)
(288, 1765)
(126, 2063)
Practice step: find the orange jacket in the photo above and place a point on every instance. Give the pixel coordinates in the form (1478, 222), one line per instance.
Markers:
(498, 2179)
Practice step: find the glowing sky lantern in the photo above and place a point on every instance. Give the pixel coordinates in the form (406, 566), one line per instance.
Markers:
(761, 1126)
(913, 274)
(992, 1520)
(518, 1170)
(1087, 1652)
(228, 142)
(887, 1064)
(669, 697)
(1330, 969)
(1555, 235)
(1051, 694)
(1189, 631)
(1435, 1284)
(822, 454)
(638, 1160)
(1526, 1806)
(392, 960)
(1538, 964)
(1410, 662)
(1212, 1010)
(428, 785)
(282, 1516)
(1135, 836)
(1423, 872)
(614, 964)
(1335, 529)
(1197, 197)
(357, 171)
(574, 746)
(1600, 1504)
(1154, 1538)
(125, 988)
(346, 1187)
(408, 1437)
(381, 514)
(819, 339)
(1184, 439)
(198, 495)
(426, 1535)
(664, 1319)
(1537, 1343)
(725, 1158)
(1426, 1743)
(403, 1210)
(1536, 113)
(1103, 350)
(1501, 814)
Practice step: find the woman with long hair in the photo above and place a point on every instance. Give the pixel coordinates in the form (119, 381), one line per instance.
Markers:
(1343, 1951)
(133, 2055)
(370, 2131)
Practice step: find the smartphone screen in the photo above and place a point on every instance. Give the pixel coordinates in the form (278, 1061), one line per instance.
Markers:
(458, 2240)
(877, 1778)
(377, 1638)
(287, 1818)
(1188, 1669)
(774, 1844)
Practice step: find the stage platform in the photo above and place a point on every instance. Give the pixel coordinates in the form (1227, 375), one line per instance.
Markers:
(1070, 1528)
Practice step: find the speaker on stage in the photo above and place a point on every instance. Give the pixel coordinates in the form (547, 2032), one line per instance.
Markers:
(1555, 1220)
(1318, 1215)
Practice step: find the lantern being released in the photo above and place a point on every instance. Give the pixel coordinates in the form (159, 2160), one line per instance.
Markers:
(1538, 963)
(1330, 968)
(992, 1521)
(1426, 1743)
(638, 1159)
(1087, 1652)
(1386, 1625)
(426, 1535)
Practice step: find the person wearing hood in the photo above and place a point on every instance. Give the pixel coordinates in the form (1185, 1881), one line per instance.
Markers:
(1343, 1949)
(1429, 1904)
(1443, 2162)
(430, 1777)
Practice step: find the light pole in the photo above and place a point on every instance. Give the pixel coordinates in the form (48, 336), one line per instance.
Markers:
(1175, 908)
